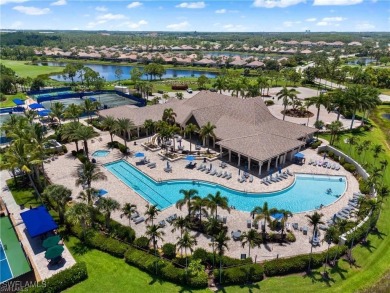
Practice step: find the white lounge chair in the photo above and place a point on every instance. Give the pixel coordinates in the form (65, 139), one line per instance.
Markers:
(251, 179)
(229, 176)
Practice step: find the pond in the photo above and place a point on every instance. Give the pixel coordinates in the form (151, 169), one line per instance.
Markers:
(108, 72)
(364, 61)
(242, 55)
(386, 116)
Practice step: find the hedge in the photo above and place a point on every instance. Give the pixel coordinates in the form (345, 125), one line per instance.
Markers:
(207, 258)
(117, 145)
(142, 242)
(296, 264)
(169, 250)
(122, 232)
(240, 275)
(62, 280)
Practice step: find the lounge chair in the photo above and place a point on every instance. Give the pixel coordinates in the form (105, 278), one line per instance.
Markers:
(295, 226)
(329, 166)
(288, 227)
(284, 175)
(139, 220)
(208, 171)
(168, 169)
(224, 174)
(229, 176)
(288, 172)
(311, 162)
(212, 173)
(304, 230)
(199, 167)
(337, 167)
(251, 179)
(249, 224)
(240, 179)
(134, 215)
(151, 165)
(265, 182)
(333, 166)
(204, 168)
(162, 223)
(273, 179)
(219, 174)
(222, 165)
(315, 163)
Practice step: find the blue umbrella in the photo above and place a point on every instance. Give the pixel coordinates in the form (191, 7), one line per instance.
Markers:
(139, 155)
(324, 156)
(44, 113)
(101, 192)
(92, 99)
(190, 158)
(36, 106)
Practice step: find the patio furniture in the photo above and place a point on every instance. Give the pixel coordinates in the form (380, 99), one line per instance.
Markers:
(337, 167)
(51, 241)
(295, 226)
(248, 224)
(329, 166)
(224, 219)
(304, 230)
(288, 227)
(54, 252)
(222, 165)
(168, 169)
(251, 179)
(219, 174)
(134, 215)
(208, 171)
(139, 220)
(315, 163)
(200, 167)
(224, 174)
(333, 166)
(288, 172)
(255, 224)
(229, 176)
(311, 162)
(323, 227)
(212, 173)
(236, 235)
(162, 223)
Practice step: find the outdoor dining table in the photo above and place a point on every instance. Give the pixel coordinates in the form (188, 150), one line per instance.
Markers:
(236, 234)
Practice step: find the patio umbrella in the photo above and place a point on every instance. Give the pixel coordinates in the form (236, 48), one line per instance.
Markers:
(51, 241)
(36, 106)
(277, 216)
(190, 158)
(44, 113)
(168, 164)
(54, 251)
(139, 155)
(101, 192)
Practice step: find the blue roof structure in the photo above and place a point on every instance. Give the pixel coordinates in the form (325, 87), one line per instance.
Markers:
(18, 102)
(38, 221)
(299, 155)
(36, 106)
(92, 99)
(44, 113)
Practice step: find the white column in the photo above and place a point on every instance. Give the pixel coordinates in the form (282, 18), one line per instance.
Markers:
(284, 158)
(214, 143)
(269, 164)
(260, 165)
(249, 164)
(276, 161)
(230, 155)
(220, 151)
(138, 132)
(281, 159)
(239, 159)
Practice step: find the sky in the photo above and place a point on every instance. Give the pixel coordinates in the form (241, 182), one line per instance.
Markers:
(201, 16)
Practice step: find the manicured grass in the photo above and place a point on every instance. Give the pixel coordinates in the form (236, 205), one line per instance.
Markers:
(23, 195)
(24, 70)
(9, 103)
(110, 274)
(385, 91)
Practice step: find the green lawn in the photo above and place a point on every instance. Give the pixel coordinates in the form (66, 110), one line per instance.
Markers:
(8, 102)
(23, 195)
(24, 70)
(110, 274)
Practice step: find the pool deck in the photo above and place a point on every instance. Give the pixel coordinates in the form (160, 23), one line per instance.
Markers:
(61, 171)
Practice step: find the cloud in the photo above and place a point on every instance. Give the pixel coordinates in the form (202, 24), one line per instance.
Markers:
(134, 5)
(2, 2)
(30, 10)
(191, 5)
(331, 21)
(234, 27)
(93, 24)
(290, 23)
(220, 11)
(178, 26)
(110, 16)
(276, 3)
(311, 19)
(59, 3)
(134, 25)
(364, 26)
(16, 25)
(336, 2)
(334, 19)
(101, 8)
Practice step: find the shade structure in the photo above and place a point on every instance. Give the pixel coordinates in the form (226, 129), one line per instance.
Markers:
(299, 156)
(54, 251)
(139, 155)
(277, 216)
(101, 192)
(92, 99)
(44, 113)
(38, 221)
(18, 102)
(36, 106)
(190, 158)
(51, 241)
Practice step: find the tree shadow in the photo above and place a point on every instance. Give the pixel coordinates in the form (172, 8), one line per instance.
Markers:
(156, 279)
(253, 287)
(367, 244)
(378, 233)
(336, 269)
(318, 277)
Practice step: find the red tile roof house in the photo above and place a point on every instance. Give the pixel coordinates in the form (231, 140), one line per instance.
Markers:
(255, 64)
(245, 128)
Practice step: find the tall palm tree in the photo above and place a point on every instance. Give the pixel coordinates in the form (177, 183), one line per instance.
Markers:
(286, 214)
(127, 210)
(89, 195)
(287, 95)
(149, 125)
(260, 213)
(79, 214)
(108, 205)
(338, 101)
(60, 195)
(187, 241)
(198, 204)
(330, 236)
(357, 97)
(58, 110)
(125, 125)
(220, 83)
(88, 172)
(186, 200)
(111, 125)
(212, 227)
(207, 131)
(69, 132)
(366, 146)
(151, 212)
(314, 220)
(190, 129)
(169, 116)
(90, 107)
(73, 111)
(154, 232)
(217, 200)
(353, 140)
(334, 127)
(85, 133)
(252, 238)
(377, 149)
(320, 100)
(221, 242)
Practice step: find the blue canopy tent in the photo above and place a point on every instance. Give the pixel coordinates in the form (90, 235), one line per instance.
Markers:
(36, 106)
(18, 102)
(139, 155)
(299, 158)
(38, 221)
(44, 113)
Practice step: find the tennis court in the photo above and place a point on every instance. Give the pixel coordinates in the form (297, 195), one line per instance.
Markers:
(13, 262)
(109, 100)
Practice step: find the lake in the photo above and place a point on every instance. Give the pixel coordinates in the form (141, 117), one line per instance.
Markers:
(108, 72)
(386, 116)
(364, 61)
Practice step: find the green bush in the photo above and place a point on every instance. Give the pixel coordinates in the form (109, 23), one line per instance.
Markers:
(290, 237)
(316, 144)
(269, 103)
(342, 160)
(107, 244)
(349, 167)
(64, 149)
(62, 280)
(241, 274)
(169, 250)
(142, 242)
(363, 186)
(198, 281)
(181, 261)
(201, 254)
(124, 233)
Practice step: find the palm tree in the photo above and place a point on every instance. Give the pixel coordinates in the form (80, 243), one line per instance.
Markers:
(286, 214)
(127, 210)
(60, 195)
(58, 110)
(220, 84)
(89, 195)
(287, 95)
(73, 111)
(149, 125)
(88, 172)
(125, 125)
(221, 242)
(90, 107)
(111, 125)
(187, 241)
(190, 129)
(314, 220)
(338, 101)
(188, 194)
(69, 132)
(252, 238)
(330, 235)
(260, 213)
(356, 96)
(377, 149)
(108, 205)
(169, 116)
(207, 131)
(320, 100)
(198, 204)
(366, 146)
(154, 232)
(334, 129)
(215, 201)
(151, 212)
(353, 140)
(179, 96)
(79, 214)
(85, 133)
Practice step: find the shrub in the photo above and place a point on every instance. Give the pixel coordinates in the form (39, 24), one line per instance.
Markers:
(182, 261)
(269, 103)
(201, 254)
(316, 144)
(169, 250)
(290, 237)
(64, 149)
(107, 244)
(240, 274)
(342, 160)
(124, 233)
(363, 186)
(142, 242)
(62, 280)
(179, 86)
(74, 153)
(349, 167)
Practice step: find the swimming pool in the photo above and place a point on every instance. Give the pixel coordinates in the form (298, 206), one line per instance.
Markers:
(100, 153)
(305, 194)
